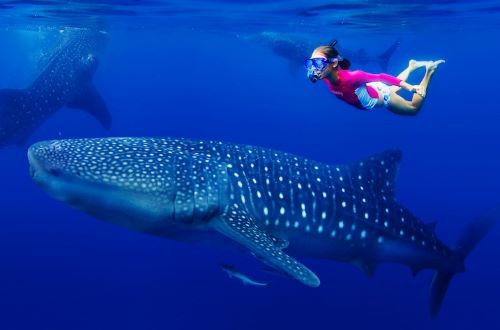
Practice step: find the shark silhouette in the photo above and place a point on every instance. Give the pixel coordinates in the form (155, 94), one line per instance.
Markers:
(65, 81)
(295, 50)
(275, 205)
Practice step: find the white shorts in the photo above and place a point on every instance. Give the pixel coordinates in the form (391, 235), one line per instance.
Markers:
(369, 102)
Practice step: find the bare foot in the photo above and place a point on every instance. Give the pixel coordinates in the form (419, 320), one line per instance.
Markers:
(432, 66)
(413, 64)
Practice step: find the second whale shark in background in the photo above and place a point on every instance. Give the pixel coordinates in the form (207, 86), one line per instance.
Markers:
(66, 80)
(296, 50)
(273, 204)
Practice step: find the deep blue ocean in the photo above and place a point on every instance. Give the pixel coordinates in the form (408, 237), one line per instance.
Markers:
(200, 70)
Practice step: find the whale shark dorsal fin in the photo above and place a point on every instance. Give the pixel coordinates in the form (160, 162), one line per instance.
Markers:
(378, 172)
(90, 101)
(242, 228)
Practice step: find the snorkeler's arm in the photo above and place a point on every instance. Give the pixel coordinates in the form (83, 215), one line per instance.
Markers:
(362, 77)
(408, 87)
(365, 77)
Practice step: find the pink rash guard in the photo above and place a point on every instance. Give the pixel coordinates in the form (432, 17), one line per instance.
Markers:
(349, 81)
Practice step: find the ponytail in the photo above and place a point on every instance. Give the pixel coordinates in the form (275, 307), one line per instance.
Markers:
(345, 64)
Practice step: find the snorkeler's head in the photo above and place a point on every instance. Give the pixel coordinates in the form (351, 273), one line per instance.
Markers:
(324, 60)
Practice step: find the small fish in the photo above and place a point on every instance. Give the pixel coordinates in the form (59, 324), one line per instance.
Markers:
(233, 272)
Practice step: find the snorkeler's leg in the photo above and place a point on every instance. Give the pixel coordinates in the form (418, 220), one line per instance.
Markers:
(412, 66)
(400, 106)
(430, 69)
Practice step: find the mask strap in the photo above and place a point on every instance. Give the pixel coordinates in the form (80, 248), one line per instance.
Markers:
(338, 58)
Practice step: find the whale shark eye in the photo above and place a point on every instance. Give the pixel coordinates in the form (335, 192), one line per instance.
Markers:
(55, 172)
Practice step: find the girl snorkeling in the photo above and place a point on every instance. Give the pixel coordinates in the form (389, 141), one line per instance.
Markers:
(366, 90)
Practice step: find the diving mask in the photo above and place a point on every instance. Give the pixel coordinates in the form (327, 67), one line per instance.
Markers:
(317, 66)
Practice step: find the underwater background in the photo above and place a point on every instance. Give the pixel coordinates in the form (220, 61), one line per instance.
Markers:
(201, 69)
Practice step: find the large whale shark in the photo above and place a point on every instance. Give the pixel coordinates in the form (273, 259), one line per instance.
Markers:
(273, 204)
(66, 80)
(295, 50)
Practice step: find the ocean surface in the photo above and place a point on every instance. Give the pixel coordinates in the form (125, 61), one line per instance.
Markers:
(206, 70)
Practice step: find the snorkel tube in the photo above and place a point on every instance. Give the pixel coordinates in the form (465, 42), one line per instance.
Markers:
(312, 75)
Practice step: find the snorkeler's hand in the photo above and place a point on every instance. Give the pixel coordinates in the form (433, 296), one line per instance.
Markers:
(408, 87)
(418, 90)
(414, 89)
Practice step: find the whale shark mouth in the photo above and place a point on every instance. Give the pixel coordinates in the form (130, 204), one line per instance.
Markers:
(68, 187)
(37, 170)
(50, 178)
(105, 201)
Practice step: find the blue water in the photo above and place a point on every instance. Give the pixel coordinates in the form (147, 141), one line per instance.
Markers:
(184, 69)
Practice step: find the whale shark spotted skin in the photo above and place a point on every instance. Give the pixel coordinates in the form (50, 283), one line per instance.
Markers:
(65, 81)
(276, 205)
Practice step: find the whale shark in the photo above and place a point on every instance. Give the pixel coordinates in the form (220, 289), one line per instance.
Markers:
(66, 80)
(275, 205)
(295, 50)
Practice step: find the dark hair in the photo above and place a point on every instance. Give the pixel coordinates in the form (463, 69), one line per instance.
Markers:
(331, 52)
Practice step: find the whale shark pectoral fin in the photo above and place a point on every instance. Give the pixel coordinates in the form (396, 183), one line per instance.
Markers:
(90, 101)
(242, 228)
(280, 243)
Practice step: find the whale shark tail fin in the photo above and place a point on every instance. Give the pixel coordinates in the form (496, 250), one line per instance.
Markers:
(471, 236)
(90, 101)
(385, 57)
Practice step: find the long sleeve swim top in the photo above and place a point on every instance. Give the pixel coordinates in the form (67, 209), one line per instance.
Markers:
(349, 81)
